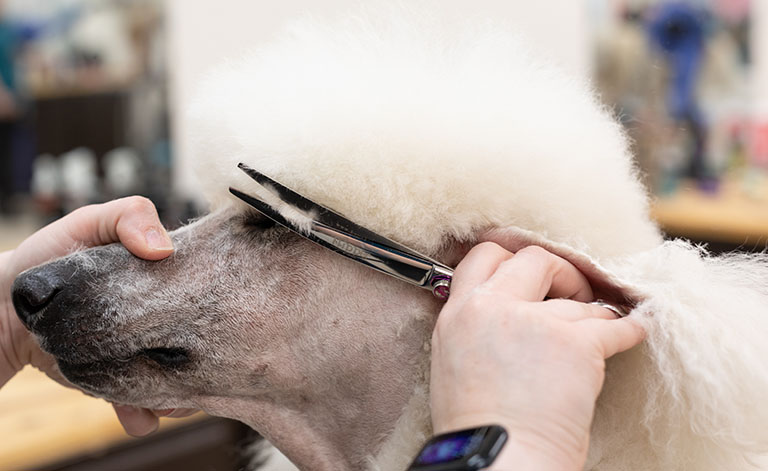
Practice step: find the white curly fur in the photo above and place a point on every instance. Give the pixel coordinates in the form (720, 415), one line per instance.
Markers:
(701, 373)
(432, 133)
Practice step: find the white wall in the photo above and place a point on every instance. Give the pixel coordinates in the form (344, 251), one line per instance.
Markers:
(204, 32)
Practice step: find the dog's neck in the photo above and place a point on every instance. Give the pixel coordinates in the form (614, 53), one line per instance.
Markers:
(344, 438)
(340, 407)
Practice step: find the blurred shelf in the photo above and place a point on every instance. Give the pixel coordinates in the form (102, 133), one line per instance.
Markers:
(729, 216)
(42, 422)
(81, 87)
(56, 93)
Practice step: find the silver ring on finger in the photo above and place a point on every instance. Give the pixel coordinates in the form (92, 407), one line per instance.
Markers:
(618, 312)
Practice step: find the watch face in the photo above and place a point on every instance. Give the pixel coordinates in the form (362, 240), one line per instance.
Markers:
(450, 447)
(462, 450)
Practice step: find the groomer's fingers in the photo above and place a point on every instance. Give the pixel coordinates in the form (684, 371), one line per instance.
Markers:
(615, 335)
(175, 413)
(132, 221)
(569, 310)
(139, 422)
(476, 268)
(534, 273)
(136, 421)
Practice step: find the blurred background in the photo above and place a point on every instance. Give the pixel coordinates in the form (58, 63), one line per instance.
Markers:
(93, 96)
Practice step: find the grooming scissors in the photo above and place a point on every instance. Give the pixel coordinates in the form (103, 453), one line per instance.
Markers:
(335, 232)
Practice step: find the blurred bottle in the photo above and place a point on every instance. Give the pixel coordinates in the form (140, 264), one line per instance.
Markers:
(122, 172)
(78, 178)
(46, 186)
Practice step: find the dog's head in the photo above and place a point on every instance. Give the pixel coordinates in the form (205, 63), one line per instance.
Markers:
(243, 307)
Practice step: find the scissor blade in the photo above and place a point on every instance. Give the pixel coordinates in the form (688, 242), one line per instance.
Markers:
(392, 262)
(403, 266)
(325, 215)
(283, 192)
(264, 209)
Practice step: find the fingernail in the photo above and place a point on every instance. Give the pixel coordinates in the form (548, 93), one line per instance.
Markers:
(164, 412)
(177, 413)
(157, 240)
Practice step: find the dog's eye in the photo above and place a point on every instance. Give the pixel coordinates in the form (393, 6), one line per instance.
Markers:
(169, 357)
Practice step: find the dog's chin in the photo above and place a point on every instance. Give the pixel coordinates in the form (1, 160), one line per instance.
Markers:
(96, 378)
(124, 380)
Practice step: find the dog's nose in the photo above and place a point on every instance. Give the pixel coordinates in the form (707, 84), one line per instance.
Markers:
(34, 290)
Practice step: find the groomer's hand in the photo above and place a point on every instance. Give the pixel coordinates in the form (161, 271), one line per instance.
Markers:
(501, 354)
(131, 221)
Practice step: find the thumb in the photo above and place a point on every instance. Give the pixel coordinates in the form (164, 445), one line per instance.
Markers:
(139, 229)
(136, 421)
(132, 221)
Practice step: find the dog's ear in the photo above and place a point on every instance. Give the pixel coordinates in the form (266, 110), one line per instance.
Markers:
(605, 285)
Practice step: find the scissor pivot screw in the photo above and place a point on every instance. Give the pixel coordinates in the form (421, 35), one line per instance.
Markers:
(441, 289)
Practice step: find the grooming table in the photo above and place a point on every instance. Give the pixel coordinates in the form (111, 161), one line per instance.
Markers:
(728, 216)
(42, 422)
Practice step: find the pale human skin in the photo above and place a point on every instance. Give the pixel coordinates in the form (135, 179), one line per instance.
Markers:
(131, 221)
(503, 355)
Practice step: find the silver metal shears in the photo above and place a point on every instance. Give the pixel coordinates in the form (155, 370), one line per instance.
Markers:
(335, 232)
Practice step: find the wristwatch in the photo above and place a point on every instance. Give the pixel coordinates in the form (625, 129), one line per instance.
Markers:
(464, 450)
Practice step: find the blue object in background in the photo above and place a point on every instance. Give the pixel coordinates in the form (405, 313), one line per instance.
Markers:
(679, 31)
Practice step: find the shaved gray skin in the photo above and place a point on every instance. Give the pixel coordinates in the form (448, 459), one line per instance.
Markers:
(316, 352)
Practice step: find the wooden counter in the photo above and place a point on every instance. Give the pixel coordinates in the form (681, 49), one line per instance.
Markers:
(43, 422)
(729, 216)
